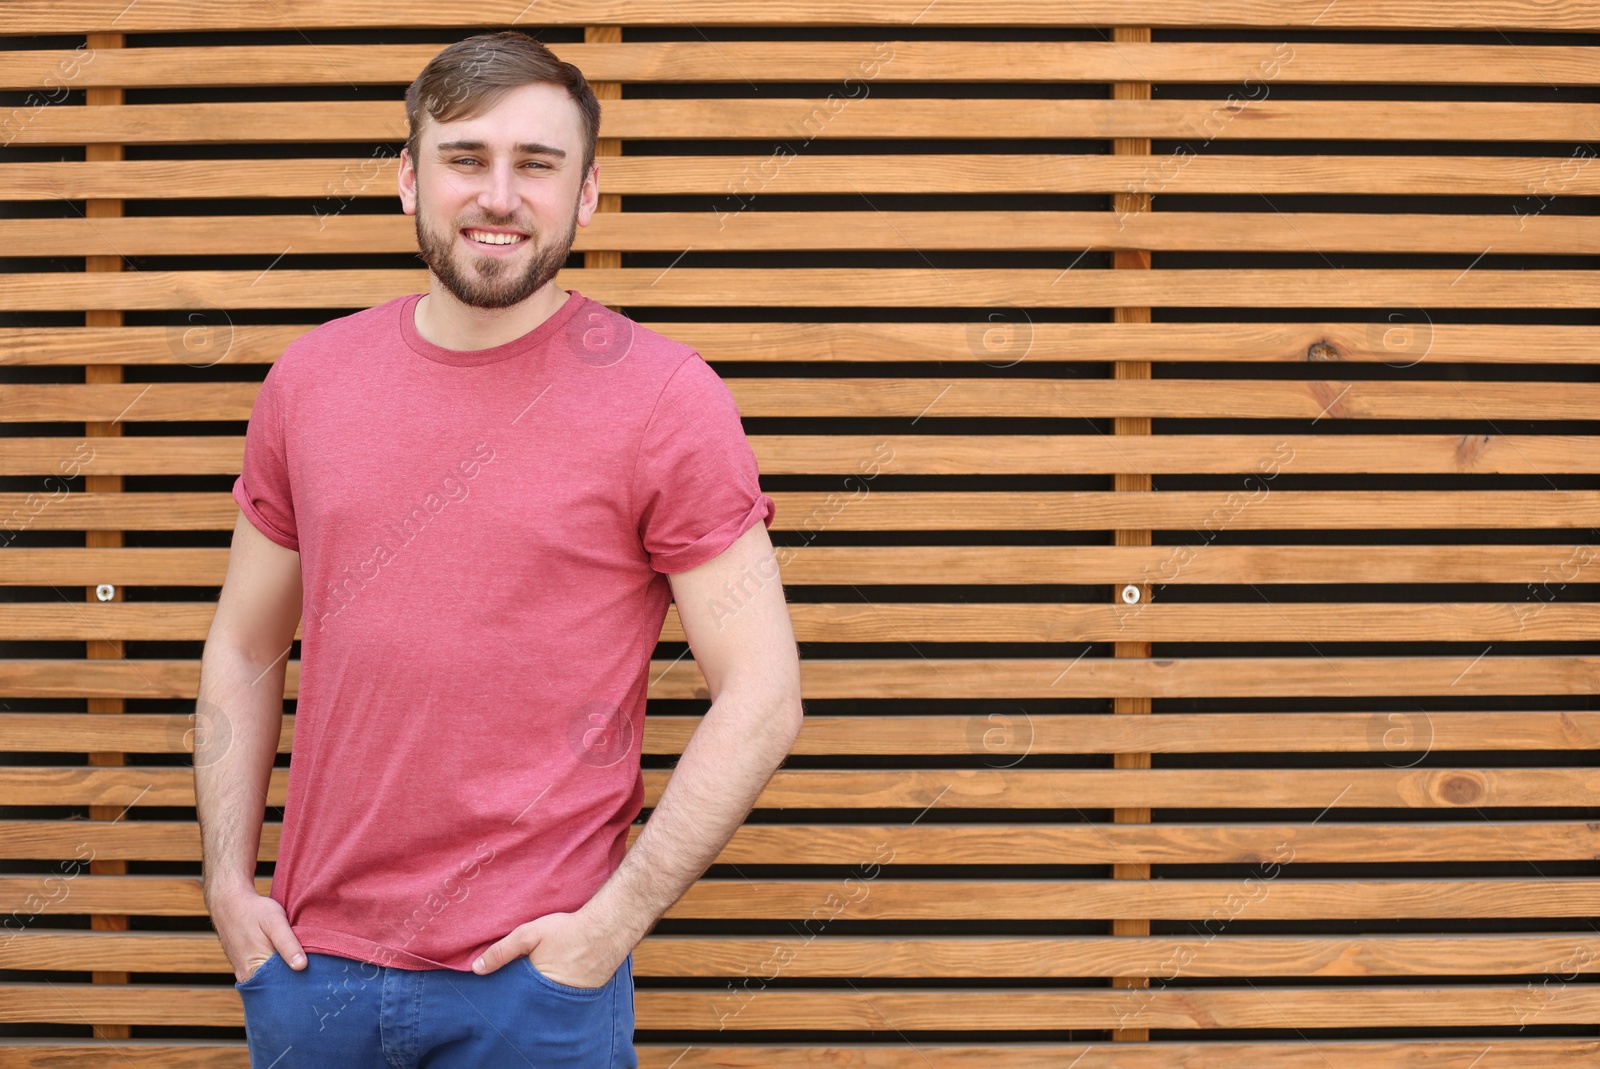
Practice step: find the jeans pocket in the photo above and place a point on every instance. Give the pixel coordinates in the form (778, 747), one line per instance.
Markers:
(249, 981)
(564, 989)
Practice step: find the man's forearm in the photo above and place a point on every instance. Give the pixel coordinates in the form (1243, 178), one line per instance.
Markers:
(726, 764)
(239, 719)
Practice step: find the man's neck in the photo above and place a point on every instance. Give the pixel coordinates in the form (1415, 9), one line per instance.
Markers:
(445, 321)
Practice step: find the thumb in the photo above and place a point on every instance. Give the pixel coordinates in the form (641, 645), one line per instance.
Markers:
(288, 946)
(498, 954)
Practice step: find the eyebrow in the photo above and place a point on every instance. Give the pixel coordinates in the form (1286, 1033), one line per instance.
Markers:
(525, 148)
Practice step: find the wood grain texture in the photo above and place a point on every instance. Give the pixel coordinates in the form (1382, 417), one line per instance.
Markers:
(853, 113)
(39, 16)
(898, 60)
(335, 180)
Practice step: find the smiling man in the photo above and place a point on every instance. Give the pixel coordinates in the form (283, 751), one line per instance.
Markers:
(493, 261)
(480, 500)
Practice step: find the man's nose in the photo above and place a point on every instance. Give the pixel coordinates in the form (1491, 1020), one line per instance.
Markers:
(498, 195)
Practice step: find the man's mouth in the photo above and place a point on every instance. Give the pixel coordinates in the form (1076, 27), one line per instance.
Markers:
(494, 237)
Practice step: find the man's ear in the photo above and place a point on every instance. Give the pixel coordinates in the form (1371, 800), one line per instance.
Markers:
(408, 183)
(589, 194)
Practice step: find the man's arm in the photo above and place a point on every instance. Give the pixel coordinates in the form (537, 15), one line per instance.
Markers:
(238, 721)
(746, 650)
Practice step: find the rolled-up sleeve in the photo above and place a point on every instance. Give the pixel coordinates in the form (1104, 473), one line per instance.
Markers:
(696, 483)
(262, 489)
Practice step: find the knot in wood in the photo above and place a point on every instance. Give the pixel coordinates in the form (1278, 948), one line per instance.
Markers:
(1461, 788)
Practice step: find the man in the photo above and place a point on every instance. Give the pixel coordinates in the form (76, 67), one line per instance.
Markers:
(481, 499)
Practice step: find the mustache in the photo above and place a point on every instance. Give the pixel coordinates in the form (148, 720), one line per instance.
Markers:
(508, 222)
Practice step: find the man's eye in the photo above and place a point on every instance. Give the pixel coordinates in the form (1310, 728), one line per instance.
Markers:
(464, 159)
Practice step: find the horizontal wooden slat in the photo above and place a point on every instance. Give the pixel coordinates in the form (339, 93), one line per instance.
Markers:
(908, 1010)
(1178, 788)
(899, 622)
(952, 398)
(40, 16)
(1090, 454)
(1219, 676)
(1189, 510)
(1326, 841)
(947, 398)
(1000, 1011)
(686, 287)
(1278, 898)
(930, 843)
(895, 957)
(1003, 736)
(945, 454)
(1324, 1054)
(958, 565)
(1080, 677)
(1099, 454)
(1156, 622)
(1089, 510)
(855, 114)
(339, 180)
(892, 60)
(964, 788)
(210, 337)
(882, 899)
(197, 338)
(1013, 735)
(145, 455)
(866, 230)
(131, 401)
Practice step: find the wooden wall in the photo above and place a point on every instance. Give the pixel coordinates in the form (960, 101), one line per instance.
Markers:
(1182, 418)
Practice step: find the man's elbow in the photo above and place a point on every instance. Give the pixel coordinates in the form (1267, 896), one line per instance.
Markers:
(779, 716)
(791, 717)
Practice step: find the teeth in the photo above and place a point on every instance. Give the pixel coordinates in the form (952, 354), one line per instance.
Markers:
(493, 239)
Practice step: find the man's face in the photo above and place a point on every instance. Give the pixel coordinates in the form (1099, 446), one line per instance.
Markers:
(498, 198)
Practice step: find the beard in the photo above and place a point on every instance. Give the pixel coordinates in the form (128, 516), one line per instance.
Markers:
(491, 281)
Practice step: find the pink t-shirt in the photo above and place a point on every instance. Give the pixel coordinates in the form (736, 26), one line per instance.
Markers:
(484, 538)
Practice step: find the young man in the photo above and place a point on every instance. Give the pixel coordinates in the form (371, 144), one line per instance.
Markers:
(481, 500)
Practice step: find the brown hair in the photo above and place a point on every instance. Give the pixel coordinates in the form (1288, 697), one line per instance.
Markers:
(472, 75)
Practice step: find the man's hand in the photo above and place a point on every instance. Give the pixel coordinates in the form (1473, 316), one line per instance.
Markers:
(251, 926)
(569, 948)
(240, 706)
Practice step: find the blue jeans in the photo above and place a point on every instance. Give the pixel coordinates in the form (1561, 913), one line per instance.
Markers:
(340, 1013)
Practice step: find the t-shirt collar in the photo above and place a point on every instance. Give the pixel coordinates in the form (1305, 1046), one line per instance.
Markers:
(494, 354)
